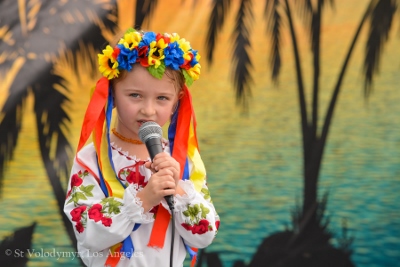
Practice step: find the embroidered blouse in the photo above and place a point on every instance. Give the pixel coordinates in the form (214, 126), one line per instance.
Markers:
(100, 222)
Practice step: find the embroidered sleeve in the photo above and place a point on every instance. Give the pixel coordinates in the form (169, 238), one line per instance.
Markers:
(99, 221)
(195, 216)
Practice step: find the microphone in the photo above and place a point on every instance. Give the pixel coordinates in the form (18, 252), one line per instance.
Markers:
(150, 133)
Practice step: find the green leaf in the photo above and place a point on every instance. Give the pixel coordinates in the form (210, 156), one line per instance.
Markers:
(88, 194)
(193, 211)
(206, 193)
(114, 209)
(157, 72)
(115, 202)
(87, 190)
(77, 196)
(130, 30)
(204, 211)
(188, 78)
(81, 196)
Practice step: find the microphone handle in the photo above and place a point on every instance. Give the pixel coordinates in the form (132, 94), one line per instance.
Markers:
(154, 146)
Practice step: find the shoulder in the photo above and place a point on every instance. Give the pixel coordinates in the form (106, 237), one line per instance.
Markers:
(87, 154)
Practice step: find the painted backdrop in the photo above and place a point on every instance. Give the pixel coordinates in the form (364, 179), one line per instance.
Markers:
(255, 141)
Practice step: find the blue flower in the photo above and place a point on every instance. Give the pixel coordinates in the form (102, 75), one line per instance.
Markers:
(194, 60)
(173, 56)
(126, 57)
(148, 37)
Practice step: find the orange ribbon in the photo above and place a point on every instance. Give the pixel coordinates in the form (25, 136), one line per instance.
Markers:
(179, 152)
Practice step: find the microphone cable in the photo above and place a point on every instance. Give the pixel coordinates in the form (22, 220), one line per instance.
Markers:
(171, 207)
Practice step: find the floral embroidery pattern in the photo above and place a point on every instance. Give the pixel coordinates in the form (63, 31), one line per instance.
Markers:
(206, 193)
(196, 219)
(132, 175)
(97, 212)
(217, 225)
(79, 191)
(79, 218)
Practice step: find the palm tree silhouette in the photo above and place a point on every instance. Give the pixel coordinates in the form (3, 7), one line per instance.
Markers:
(30, 43)
(378, 16)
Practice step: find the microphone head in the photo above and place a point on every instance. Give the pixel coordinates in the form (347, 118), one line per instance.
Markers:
(148, 130)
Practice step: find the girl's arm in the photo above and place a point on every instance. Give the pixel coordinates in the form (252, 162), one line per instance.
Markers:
(195, 217)
(99, 221)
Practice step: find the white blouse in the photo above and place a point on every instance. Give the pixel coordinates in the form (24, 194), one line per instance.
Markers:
(101, 222)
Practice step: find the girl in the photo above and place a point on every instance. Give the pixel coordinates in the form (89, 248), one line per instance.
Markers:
(115, 197)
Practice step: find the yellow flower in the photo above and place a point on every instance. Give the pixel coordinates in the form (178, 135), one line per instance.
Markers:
(108, 65)
(194, 72)
(131, 39)
(198, 57)
(156, 52)
(174, 37)
(185, 46)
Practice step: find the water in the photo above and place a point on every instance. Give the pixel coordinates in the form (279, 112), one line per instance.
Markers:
(254, 161)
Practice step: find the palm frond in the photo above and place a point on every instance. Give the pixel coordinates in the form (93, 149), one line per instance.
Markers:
(10, 126)
(380, 24)
(271, 13)
(241, 60)
(219, 11)
(53, 127)
(305, 9)
(144, 10)
(49, 35)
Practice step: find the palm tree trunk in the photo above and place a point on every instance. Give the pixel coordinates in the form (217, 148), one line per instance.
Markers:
(314, 159)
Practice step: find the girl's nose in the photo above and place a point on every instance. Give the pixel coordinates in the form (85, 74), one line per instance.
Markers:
(148, 108)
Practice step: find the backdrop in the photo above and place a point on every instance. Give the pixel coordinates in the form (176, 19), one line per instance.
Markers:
(297, 121)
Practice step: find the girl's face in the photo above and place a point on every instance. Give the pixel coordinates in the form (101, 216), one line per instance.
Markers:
(140, 97)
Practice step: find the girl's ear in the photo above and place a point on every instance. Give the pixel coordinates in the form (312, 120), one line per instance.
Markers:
(180, 95)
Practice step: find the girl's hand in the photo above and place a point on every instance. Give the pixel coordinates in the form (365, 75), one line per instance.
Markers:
(160, 184)
(165, 161)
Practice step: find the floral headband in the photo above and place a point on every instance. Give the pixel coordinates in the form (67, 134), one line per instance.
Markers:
(154, 51)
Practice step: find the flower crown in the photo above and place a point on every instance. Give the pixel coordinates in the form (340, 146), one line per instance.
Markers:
(154, 51)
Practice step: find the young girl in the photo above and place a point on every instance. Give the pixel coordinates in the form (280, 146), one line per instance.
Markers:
(115, 197)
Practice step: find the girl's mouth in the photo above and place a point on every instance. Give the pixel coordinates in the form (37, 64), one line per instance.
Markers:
(141, 122)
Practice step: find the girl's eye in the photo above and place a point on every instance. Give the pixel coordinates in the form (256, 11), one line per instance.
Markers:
(134, 95)
(162, 98)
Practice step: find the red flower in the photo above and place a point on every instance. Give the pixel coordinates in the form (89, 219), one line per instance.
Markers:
(137, 178)
(142, 56)
(201, 227)
(76, 180)
(186, 64)
(187, 226)
(79, 227)
(95, 212)
(77, 213)
(116, 52)
(106, 221)
(217, 224)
